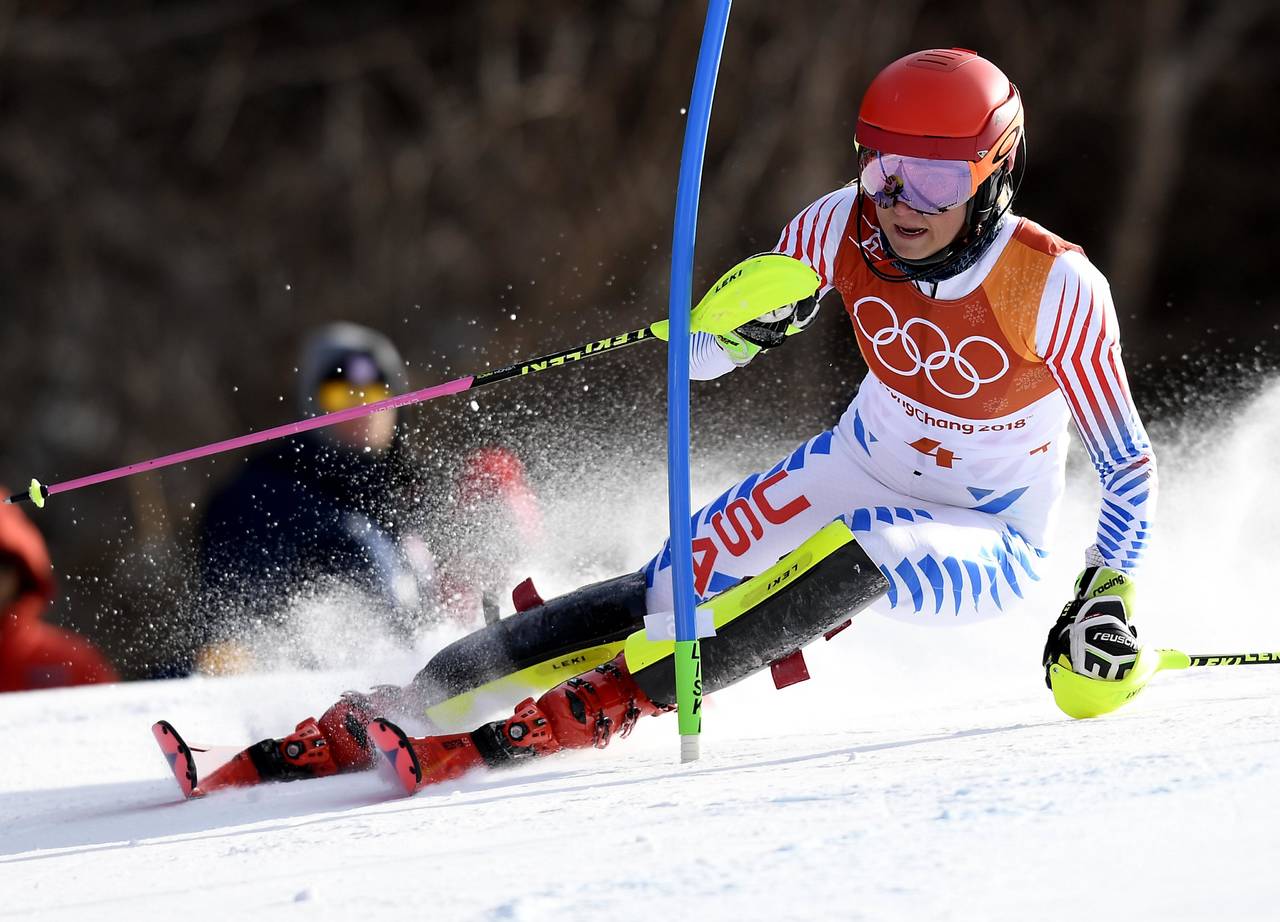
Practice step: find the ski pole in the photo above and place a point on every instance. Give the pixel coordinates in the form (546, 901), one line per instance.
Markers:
(1083, 696)
(755, 286)
(1228, 659)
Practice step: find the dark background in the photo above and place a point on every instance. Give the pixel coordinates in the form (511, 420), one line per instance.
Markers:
(187, 187)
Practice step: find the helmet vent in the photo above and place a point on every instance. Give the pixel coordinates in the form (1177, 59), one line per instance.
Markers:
(940, 59)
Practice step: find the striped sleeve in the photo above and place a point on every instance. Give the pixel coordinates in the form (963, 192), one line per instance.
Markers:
(1079, 336)
(813, 236)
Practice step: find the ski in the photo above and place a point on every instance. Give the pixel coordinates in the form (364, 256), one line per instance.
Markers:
(396, 747)
(178, 754)
(189, 763)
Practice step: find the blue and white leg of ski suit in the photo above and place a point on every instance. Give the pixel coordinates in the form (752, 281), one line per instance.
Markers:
(943, 562)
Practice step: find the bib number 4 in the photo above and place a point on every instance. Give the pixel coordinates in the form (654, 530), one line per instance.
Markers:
(933, 448)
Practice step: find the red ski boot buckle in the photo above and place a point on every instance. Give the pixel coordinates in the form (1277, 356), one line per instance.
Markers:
(837, 629)
(524, 596)
(789, 670)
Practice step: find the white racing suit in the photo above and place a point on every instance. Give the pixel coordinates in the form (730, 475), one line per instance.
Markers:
(948, 465)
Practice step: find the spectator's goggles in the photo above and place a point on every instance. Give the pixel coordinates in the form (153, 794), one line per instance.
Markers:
(926, 186)
(340, 394)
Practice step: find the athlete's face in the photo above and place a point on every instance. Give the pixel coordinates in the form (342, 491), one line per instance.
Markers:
(918, 236)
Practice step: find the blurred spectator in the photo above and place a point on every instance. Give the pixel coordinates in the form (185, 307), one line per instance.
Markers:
(34, 654)
(342, 507)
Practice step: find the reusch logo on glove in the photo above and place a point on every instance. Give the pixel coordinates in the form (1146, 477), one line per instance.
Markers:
(1123, 639)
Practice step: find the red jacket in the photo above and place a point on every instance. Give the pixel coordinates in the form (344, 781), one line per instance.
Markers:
(34, 654)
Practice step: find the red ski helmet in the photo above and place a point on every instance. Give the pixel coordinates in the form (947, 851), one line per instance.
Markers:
(947, 104)
(943, 104)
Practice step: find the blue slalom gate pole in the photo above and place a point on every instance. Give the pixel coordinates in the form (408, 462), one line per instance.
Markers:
(688, 657)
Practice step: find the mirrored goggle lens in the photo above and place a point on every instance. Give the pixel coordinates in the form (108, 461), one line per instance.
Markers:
(928, 186)
(343, 395)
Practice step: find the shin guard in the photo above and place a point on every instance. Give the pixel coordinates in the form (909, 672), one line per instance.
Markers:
(569, 633)
(806, 594)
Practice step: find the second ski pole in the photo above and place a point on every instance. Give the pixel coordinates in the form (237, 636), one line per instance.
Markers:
(755, 286)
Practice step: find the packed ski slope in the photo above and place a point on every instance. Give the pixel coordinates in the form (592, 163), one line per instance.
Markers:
(922, 774)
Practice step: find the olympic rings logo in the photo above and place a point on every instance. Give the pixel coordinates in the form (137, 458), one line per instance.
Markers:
(937, 360)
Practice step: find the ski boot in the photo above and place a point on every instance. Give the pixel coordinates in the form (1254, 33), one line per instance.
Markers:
(335, 743)
(586, 711)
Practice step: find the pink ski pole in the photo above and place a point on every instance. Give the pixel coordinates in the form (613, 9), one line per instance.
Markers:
(753, 287)
(38, 492)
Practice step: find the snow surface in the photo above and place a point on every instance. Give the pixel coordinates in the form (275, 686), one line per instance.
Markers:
(922, 774)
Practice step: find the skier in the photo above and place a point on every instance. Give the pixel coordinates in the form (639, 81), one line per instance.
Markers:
(985, 336)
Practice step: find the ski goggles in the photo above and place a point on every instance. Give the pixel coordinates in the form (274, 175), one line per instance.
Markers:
(339, 394)
(926, 186)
